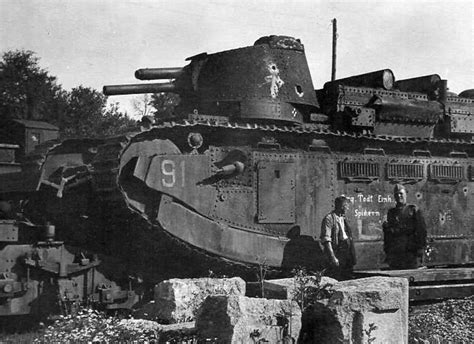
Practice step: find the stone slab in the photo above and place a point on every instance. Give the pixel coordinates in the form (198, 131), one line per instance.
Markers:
(374, 308)
(177, 300)
(241, 319)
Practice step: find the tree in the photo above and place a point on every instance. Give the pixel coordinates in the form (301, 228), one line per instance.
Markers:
(142, 105)
(28, 91)
(164, 103)
(87, 115)
(115, 122)
(83, 112)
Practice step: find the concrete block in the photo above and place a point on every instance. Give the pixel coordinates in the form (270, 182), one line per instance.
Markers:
(358, 310)
(177, 300)
(241, 319)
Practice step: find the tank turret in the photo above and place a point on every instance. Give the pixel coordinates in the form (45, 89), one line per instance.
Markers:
(267, 81)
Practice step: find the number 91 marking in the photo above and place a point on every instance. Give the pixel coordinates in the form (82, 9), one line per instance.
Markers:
(168, 170)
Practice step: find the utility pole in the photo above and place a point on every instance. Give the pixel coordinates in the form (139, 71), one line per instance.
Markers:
(334, 43)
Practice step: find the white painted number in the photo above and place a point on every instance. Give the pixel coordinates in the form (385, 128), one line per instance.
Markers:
(168, 169)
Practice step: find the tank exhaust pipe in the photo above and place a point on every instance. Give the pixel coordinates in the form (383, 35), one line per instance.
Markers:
(113, 90)
(158, 73)
(379, 79)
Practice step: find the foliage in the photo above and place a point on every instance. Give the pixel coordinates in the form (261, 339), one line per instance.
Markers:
(115, 122)
(164, 104)
(308, 287)
(87, 115)
(368, 333)
(83, 112)
(262, 274)
(142, 105)
(96, 327)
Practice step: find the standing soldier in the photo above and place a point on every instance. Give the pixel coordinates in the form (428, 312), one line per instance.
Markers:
(404, 233)
(336, 236)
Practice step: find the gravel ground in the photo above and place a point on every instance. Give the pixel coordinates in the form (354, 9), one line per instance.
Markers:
(450, 320)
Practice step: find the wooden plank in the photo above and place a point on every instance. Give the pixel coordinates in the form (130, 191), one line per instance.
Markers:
(444, 291)
(19, 182)
(12, 167)
(423, 275)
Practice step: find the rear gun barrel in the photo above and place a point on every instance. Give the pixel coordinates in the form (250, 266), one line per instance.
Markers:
(112, 90)
(158, 73)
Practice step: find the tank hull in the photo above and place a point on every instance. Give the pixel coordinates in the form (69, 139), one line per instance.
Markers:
(283, 194)
(270, 211)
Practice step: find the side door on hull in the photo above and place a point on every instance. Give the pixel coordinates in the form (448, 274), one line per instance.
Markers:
(276, 192)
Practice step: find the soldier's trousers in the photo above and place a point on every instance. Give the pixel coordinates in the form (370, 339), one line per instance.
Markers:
(400, 254)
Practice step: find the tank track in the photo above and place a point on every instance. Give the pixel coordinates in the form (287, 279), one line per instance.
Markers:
(117, 144)
(319, 129)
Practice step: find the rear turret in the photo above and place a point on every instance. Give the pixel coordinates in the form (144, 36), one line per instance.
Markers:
(378, 104)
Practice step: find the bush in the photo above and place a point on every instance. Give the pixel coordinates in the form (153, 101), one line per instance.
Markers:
(92, 326)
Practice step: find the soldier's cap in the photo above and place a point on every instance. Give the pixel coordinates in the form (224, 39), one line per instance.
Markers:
(398, 188)
(340, 199)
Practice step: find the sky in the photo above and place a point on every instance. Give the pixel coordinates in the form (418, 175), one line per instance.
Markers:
(102, 42)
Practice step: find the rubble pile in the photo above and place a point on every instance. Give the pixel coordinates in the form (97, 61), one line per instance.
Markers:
(216, 310)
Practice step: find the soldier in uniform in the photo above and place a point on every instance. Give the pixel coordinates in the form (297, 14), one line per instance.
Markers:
(404, 233)
(336, 237)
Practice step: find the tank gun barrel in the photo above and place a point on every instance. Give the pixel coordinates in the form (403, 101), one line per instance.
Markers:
(158, 73)
(112, 90)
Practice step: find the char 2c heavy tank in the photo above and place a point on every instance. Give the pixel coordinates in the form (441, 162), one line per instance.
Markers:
(254, 158)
